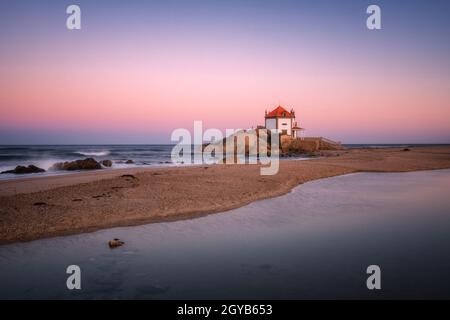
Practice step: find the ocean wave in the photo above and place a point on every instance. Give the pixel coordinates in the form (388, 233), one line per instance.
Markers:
(93, 153)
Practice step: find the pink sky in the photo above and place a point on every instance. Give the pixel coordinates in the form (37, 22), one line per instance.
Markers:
(142, 97)
(142, 86)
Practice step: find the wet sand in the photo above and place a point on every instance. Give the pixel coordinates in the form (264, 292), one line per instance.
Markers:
(33, 208)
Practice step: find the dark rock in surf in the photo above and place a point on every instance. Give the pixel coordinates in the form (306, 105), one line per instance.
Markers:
(106, 163)
(86, 164)
(24, 170)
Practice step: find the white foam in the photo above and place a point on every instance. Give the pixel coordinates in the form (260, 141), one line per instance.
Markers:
(93, 153)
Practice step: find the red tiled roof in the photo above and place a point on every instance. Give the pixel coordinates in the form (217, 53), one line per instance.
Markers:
(279, 112)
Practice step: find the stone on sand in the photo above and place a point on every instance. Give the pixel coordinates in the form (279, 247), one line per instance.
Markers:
(115, 243)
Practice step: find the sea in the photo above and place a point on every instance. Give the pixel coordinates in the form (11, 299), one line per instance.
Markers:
(155, 155)
(44, 156)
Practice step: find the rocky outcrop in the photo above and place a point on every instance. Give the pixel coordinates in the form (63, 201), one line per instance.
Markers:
(24, 170)
(292, 146)
(86, 164)
(327, 144)
(250, 138)
(289, 146)
(106, 163)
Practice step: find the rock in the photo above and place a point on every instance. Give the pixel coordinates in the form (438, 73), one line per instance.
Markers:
(39, 204)
(106, 163)
(115, 243)
(24, 170)
(129, 162)
(406, 149)
(128, 176)
(86, 164)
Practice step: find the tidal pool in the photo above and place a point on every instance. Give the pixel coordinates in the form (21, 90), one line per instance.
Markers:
(315, 242)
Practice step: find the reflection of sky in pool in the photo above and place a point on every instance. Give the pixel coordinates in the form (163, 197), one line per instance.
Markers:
(315, 242)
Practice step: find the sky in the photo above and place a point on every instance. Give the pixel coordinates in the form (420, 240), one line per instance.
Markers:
(137, 70)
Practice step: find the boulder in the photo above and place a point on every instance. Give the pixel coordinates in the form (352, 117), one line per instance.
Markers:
(86, 164)
(129, 162)
(24, 170)
(106, 163)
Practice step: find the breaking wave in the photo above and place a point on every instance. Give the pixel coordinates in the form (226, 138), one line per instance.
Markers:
(93, 153)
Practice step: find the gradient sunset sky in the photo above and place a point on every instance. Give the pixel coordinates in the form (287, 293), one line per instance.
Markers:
(139, 69)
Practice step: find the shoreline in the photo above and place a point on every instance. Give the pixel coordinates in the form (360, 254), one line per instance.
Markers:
(43, 207)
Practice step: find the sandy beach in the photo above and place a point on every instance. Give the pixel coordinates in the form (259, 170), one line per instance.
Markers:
(33, 208)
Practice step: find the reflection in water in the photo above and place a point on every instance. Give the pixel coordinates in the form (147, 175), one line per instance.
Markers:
(315, 242)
